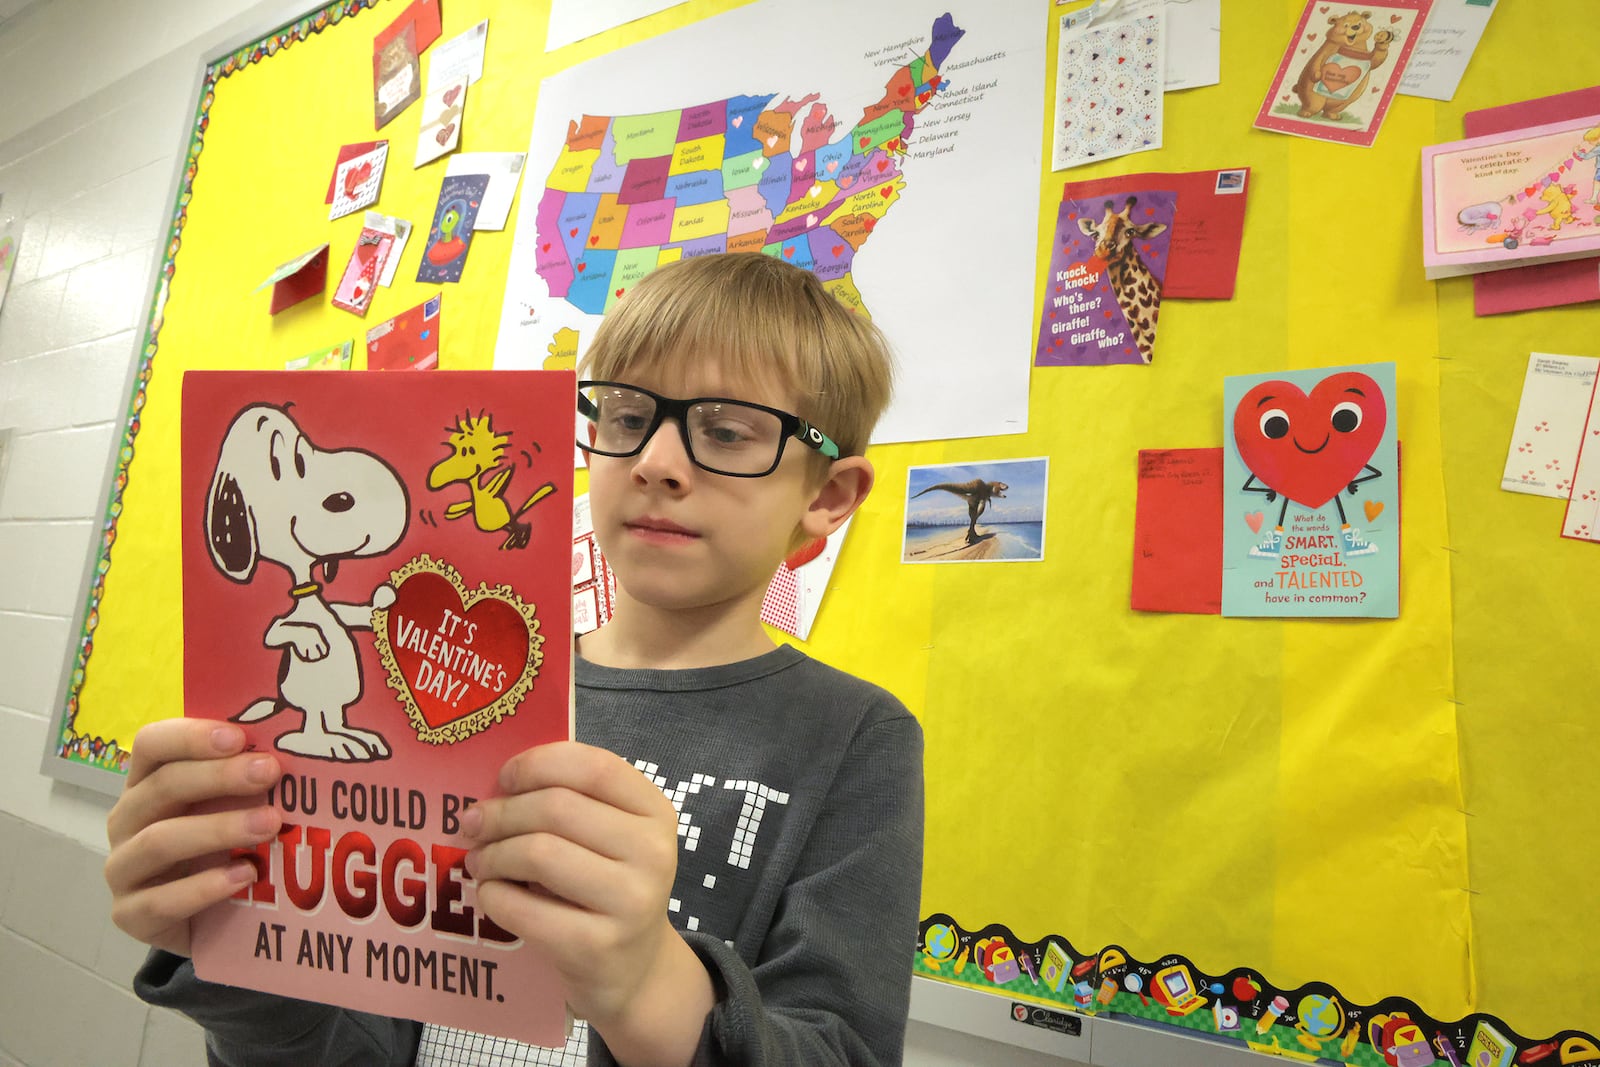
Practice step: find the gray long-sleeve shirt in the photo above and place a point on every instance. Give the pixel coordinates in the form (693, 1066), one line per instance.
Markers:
(799, 792)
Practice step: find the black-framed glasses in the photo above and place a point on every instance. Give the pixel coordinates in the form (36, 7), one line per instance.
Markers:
(721, 435)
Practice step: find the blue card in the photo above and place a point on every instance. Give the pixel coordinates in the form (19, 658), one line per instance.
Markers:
(1311, 493)
(450, 236)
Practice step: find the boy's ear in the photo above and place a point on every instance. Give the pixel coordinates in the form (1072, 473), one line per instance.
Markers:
(845, 486)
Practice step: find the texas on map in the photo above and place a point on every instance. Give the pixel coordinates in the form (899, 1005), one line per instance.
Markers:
(631, 192)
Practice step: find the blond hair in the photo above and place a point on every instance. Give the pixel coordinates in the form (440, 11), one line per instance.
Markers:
(761, 321)
(1592, 135)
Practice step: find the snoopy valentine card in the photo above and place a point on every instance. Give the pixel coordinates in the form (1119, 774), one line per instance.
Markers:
(1103, 295)
(377, 587)
(1341, 69)
(1311, 493)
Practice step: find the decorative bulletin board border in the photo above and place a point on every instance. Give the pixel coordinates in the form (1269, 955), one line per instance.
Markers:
(1313, 1022)
(70, 746)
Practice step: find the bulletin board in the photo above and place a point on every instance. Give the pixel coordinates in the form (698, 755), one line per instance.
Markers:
(1392, 815)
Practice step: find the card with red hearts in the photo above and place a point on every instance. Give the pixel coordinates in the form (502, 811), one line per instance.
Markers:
(360, 278)
(1311, 493)
(357, 181)
(442, 112)
(376, 586)
(1341, 69)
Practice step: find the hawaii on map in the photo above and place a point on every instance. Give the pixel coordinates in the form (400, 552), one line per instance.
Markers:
(745, 174)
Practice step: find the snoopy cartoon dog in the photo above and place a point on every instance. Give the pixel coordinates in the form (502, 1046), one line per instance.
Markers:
(277, 497)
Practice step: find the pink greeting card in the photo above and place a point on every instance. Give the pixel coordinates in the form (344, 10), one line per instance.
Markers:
(361, 274)
(392, 652)
(1341, 69)
(1505, 199)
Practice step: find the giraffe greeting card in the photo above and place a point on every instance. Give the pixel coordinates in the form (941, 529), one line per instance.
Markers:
(1311, 493)
(1103, 293)
(376, 587)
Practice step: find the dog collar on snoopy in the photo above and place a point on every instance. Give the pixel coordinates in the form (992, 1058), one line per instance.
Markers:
(300, 592)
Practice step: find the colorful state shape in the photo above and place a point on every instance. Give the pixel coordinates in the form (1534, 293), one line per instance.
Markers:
(831, 255)
(550, 259)
(741, 171)
(631, 267)
(796, 250)
(873, 132)
(743, 112)
(853, 228)
(562, 349)
(819, 199)
(753, 241)
(703, 153)
(832, 160)
(747, 213)
(606, 177)
(774, 183)
(610, 220)
(587, 134)
(772, 132)
(706, 120)
(592, 282)
(703, 246)
(646, 179)
(649, 223)
(572, 170)
(873, 200)
(701, 187)
(816, 129)
(577, 215)
(697, 221)
(843, 289)
(645, 136)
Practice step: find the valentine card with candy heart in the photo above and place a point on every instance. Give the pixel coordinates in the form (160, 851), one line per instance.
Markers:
(1341, 69)
(1311, 493)
(376, 587)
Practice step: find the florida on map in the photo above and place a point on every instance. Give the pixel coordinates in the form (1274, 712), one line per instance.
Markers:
(745, 174)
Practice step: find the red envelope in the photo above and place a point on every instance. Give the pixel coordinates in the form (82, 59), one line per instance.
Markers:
(409, 341)
(1177, 531)
(299, 279)
(1538, 285)
(424, 14)
(1203, 251)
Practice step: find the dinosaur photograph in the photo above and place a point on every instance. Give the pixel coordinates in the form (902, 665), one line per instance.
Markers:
(944, 504)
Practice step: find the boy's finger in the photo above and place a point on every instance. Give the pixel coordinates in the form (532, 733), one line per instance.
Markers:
(148, 913)
(592, 823)
(169, 740)
(564, 869)
(584, 769)
(164, 847)
(172, 789)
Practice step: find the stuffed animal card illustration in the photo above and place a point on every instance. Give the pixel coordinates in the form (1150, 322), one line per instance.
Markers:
(1103, 295)
(450, 237)
(1311, 504)
(1341, 69)
(1505, 199)
(376, 587)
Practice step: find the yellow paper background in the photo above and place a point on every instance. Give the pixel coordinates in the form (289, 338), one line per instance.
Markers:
(1305, 798)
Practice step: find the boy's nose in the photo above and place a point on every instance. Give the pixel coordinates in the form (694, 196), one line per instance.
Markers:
(663, 458)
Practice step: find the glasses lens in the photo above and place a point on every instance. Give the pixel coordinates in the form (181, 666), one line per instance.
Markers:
(733, 438)
(622, 417)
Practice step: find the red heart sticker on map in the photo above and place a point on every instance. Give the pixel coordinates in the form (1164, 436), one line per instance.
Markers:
(458, 660)
(1308, 448)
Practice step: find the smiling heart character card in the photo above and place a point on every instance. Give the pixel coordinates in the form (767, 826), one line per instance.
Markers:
(1311, 493)
(376, 587)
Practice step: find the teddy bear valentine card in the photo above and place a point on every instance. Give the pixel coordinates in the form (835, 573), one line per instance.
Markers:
(377, 587)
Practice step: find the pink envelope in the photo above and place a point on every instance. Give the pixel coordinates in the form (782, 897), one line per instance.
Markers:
(1540, 285)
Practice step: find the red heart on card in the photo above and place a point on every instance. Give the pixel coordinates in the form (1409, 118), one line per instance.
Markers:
(869, 223)
(620, 292)
(594, 239)
(1253, 520)
(905, 90)
(445, 705)
(883, 165)
(1122, 59)
(354, 177)
(865, 141)
(1308, 448)
(581, 267)
(838, 250)
(444, 135)
(1393, 19)
(886, 191)
(1530, 190)
(572, 232)
(545, 247)
(788, 253)
(1336, 77)
(452, 96)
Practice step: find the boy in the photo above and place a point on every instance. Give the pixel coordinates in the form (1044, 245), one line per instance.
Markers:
(732, 399)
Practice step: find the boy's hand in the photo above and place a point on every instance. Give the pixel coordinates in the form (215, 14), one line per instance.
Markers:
(578, 858)
(156, 836)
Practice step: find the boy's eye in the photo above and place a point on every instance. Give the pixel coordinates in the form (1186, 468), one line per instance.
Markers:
(727, 433)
